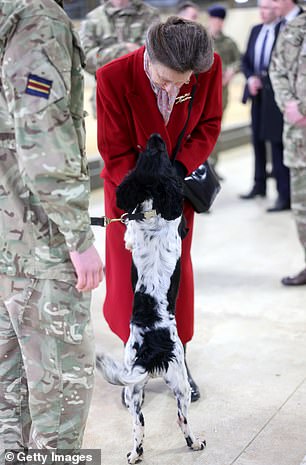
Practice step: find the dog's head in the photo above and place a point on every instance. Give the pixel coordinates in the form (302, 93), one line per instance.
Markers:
(153, 178)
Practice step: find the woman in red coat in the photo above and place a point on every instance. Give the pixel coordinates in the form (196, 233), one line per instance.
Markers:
(140, 94)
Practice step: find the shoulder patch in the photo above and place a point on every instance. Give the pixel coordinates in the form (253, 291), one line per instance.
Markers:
(38, 86)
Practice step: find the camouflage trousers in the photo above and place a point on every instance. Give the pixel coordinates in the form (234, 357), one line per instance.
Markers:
(46, 364)
(298, 201)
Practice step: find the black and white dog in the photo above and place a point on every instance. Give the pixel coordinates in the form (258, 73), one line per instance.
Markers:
(153, 348)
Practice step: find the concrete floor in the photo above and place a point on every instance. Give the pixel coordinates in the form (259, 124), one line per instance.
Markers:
(249, 348)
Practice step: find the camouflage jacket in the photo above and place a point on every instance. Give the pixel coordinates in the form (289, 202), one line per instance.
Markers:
(44, 182)
(106, 30)
(230, 57)
(288, 75)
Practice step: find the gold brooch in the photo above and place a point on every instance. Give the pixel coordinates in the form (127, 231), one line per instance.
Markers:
(183, 98)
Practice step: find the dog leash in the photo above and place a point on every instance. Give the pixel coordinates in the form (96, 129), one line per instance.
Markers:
(105, 221)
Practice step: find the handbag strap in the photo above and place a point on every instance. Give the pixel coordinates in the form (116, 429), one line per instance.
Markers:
(180, 137)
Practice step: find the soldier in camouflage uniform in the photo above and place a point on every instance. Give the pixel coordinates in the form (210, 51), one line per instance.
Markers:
(113, 29)
(288, 75)
(47, 258)
(229, 53)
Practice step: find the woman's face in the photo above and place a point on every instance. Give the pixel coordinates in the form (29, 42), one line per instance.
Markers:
(166, 78)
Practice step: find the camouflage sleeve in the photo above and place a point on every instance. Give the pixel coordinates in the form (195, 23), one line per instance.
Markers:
(38, 81)
(235, 57)
(283, 65)
(229, 53)
(99, 47)
(152, 16)
(148, 16)
(105, 54)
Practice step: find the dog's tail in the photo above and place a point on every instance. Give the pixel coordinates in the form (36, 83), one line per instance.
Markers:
(116, 373)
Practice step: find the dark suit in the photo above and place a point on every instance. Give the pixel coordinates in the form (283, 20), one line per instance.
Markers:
(267, 123)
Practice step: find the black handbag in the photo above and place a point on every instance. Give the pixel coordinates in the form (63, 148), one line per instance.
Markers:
(202, 185)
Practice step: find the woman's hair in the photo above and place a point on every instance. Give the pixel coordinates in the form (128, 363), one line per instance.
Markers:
(180, 45)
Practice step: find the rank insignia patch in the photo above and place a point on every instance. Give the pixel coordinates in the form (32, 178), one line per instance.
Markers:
(38, 86)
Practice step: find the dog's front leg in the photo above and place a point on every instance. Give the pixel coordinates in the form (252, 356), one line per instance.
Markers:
(133, 398)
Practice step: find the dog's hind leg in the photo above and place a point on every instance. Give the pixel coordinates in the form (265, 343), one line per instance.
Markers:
(177, 380)
(133, 400)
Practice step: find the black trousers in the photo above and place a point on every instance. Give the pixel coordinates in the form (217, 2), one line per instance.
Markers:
(280, 171)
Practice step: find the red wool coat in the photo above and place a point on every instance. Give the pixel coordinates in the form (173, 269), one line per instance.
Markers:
(127, 115)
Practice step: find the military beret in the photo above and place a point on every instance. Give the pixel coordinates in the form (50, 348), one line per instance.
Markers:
(217, 11)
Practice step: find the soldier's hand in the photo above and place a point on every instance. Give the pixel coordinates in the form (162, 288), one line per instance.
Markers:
(88, 267)
(292, 112)
(254, 84)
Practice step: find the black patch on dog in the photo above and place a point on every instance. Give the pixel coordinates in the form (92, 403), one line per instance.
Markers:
(144, 310)
(182, 229)
(134, 276)
(141, 419)
(174, 286)
(156, 351)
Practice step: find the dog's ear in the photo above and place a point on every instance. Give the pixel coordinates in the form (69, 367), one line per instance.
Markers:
(169, 199)
(129, 194)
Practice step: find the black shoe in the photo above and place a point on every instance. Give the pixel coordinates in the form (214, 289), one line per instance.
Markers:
(195, 392)
(279, 206)
(297, 280)
(123, 398)
(253, 193)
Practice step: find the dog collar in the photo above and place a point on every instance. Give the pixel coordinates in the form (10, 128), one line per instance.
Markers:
(105, 221)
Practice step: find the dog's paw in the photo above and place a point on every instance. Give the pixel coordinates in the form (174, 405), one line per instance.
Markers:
(135, 456)
(198, 444)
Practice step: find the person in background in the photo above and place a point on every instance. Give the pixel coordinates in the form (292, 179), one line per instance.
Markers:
(266, 119)
(145, 92)
(188, 10)
(113, 29)
(287, 71)
(286, 10)
(48, 263)
(230, 56)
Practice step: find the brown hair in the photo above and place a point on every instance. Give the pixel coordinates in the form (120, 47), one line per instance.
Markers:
(180, 45)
